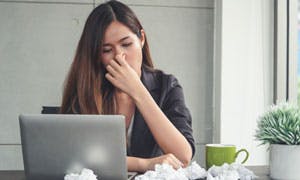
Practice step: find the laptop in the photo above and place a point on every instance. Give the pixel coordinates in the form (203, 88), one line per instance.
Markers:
(54, 145)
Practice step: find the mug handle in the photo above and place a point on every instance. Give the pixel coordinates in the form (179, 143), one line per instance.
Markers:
(242, 150)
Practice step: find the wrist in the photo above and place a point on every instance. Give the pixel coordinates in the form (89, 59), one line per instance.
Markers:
(143, 164)
(137, 164)
(139, 93)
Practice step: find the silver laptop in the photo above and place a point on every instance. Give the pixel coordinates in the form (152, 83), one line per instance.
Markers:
(56, 145)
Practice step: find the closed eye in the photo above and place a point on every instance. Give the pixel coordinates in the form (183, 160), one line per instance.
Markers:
(106, 50)
(127, 44)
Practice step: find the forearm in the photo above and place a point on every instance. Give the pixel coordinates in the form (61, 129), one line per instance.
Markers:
(164, 132)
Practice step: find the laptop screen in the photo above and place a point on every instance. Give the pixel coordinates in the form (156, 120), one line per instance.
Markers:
(55, 145)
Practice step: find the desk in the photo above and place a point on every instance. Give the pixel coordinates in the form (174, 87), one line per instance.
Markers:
(12, 175)
(261, 171)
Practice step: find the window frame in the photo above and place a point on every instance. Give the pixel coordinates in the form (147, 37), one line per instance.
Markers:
(285, 51)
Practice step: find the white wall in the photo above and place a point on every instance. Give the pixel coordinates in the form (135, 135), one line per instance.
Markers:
(244, 56)
(37, 43)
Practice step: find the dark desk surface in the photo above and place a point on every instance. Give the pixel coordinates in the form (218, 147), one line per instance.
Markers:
(12, 175)
(261, 171)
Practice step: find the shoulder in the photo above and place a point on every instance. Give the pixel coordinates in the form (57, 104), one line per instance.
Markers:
(155, 78)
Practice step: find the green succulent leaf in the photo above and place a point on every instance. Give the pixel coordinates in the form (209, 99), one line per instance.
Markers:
(279, 125)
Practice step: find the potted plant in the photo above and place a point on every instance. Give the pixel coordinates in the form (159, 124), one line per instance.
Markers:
(280, 128)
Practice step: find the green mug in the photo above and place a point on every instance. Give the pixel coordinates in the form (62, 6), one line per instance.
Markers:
(218, 154)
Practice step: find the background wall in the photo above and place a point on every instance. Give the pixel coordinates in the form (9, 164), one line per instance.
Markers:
(39, 38)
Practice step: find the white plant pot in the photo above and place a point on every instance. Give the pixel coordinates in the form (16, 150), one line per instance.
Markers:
(285, 162)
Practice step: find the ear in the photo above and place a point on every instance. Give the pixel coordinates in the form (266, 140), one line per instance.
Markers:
(142, 37)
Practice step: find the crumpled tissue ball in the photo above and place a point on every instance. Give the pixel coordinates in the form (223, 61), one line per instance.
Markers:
(86, 174)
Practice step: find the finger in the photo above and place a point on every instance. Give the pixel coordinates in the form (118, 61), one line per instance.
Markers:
(120, 58)
(178, 164)
(114, 65)
(171, 162)
(176, 160)
(110, 78)
(111, 70)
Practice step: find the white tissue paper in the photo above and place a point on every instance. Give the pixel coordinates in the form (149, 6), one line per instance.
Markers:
(194, 171)
(167, 172)
(233, 171)
(86, 174)
(162, 172)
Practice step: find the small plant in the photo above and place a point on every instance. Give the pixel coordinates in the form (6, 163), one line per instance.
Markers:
(280, 125)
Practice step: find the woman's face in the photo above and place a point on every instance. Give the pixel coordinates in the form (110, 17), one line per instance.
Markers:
(119, 39)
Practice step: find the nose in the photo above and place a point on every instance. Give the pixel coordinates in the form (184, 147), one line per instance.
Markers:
(118, 51)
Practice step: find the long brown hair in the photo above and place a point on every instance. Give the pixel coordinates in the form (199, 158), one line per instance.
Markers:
(86, 89)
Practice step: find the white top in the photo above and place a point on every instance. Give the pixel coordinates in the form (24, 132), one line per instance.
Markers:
(129, 132)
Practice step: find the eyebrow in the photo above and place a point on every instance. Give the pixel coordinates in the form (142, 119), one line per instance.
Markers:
(124, 38)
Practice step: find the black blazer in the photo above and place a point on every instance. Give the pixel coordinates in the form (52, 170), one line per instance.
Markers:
(168, 95)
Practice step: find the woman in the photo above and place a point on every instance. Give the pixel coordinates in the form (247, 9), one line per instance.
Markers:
(112, 73)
